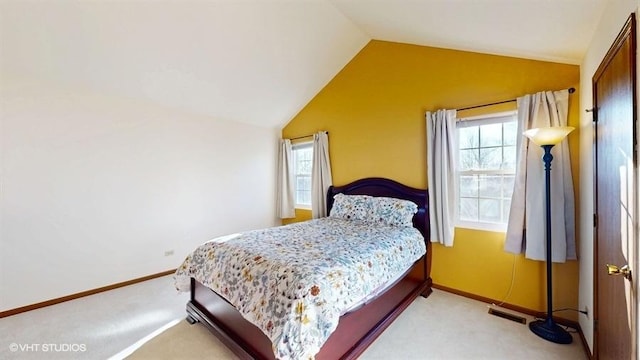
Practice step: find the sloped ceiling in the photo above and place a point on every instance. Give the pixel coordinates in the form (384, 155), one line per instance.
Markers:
(256, 62)
(549, 30)
(261, 61)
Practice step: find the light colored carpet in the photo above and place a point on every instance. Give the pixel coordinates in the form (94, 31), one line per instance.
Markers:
(183, 341)
(443, 326)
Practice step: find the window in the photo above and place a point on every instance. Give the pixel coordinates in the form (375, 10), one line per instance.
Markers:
(302, 155)
(486, 170)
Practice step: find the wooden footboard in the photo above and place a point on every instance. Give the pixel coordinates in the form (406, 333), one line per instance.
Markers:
(355, 332)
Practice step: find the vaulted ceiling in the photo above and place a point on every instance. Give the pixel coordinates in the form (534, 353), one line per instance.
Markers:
(261, 61)
(552, 30)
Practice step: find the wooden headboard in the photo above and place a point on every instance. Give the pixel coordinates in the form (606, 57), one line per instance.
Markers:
(388, 188)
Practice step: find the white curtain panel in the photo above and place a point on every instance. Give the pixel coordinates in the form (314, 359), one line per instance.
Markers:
(526, 231)
(285, 200)
(442, 149)
(320, 175)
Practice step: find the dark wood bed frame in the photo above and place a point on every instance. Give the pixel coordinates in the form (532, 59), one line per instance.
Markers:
(357, 329)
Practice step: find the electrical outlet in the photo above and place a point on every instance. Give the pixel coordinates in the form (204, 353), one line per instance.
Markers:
(168, 253)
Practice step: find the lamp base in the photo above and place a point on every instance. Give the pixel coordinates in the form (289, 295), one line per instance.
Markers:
(549, 330)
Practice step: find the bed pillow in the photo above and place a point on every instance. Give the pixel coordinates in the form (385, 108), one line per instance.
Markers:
(393, 212)
(352, 207)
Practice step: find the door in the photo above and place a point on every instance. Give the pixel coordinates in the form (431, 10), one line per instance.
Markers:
(615, 199)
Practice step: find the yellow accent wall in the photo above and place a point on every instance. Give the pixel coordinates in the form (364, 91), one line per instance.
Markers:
(301, 215)
(374, 110)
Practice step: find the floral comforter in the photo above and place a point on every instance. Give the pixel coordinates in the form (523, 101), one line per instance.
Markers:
(295, 281)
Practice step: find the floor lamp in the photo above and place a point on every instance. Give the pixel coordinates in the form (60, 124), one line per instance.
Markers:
(547, 137)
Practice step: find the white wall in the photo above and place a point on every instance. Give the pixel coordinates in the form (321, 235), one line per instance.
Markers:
(96, 188)
(610, 25)
(116, 137)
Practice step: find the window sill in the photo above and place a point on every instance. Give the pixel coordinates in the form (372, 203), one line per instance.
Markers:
(482, 226)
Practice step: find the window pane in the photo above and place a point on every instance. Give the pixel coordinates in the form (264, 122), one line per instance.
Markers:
(505, 210)
(469, 159)
(509, 161)
(303, 183)
(490, 158)
(491, 186)
(469, 186)
(304, 167)
(510, 136)
(507, 185)
(303, 190)
(303, 162)
(491, 135)
(468, 137)
(302, 156)
(468, 209)
(486, 164)
(490, 210)
(303, 198)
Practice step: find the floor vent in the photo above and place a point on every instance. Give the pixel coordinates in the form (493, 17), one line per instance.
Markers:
(508, 316)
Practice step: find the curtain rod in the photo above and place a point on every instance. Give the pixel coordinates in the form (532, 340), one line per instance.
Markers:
(571, 91)
(306, 136)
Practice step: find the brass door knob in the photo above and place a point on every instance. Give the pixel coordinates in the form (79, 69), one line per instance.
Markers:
(624, 271)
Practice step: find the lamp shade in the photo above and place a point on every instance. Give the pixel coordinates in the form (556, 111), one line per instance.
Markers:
(548, 135)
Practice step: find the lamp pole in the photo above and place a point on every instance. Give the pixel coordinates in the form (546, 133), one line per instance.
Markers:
(548, 329)
(547, 157)
(547, 137)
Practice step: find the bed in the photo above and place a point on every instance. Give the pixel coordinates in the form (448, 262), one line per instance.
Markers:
(362, 321)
